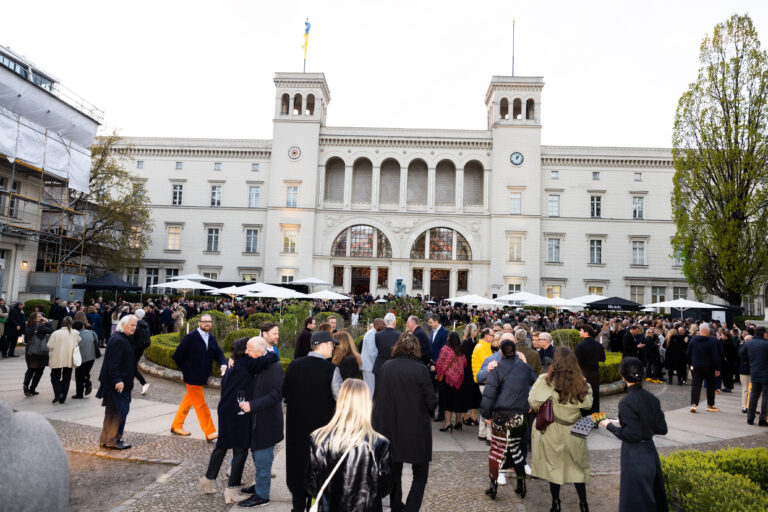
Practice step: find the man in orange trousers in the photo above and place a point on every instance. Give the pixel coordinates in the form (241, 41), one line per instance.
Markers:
(195, 355)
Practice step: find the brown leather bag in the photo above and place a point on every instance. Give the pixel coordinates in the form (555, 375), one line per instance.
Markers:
(545, 416)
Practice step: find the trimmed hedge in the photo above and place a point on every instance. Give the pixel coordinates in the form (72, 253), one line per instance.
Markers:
(222, 324)
(29, 306)
(226, 344)
(733, 479)
(609, 370)
(566, 337)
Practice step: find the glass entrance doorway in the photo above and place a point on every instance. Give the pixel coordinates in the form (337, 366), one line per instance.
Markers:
(361, 280)
(439, 284)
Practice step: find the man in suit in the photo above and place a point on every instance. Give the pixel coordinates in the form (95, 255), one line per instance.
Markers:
(116, 379)
(302, 343)
(194, 356)
(755, 353)
(14, 327)
(590, 354)
(631, 343)
(413, 327)
(368, 353)
(437, 338)
(166, 319)
(385, 340)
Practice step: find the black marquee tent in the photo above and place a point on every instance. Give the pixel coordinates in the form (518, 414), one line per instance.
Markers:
(615, 304)
(108, 281)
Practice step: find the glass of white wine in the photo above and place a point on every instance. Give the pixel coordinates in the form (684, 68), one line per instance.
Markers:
(240, 399)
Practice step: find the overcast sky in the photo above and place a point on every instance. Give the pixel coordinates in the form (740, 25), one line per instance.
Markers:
(614, 70)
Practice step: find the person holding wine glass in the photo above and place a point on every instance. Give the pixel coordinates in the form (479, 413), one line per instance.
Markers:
(234, 425)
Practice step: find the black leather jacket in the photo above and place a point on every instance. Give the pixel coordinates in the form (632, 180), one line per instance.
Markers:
(360, 483)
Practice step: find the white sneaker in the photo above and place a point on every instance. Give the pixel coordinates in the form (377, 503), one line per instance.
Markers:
(527, 469)
(502, 480)
(144, 388)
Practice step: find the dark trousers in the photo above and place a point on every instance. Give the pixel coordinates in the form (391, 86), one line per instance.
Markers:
(301, 502)
(136, 373)
(653, 368)
(32, 377)
(240, 455)
(757, 389)
(60, 379)
(9, 343)
(83, 377)
(415, 495)
(727, 375)
(680, 370)
(700, 374)
(117, 407)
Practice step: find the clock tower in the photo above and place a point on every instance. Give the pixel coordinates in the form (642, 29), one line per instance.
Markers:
(514, 120)
(301, 102)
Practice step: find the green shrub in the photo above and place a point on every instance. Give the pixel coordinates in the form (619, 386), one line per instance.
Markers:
(566, 337)
(323, 317)
(609, 370)
(739, 320)
(222, 324)
(226, 344)
(29, 306)
(255, 320)
(704, 482)
(161, 348)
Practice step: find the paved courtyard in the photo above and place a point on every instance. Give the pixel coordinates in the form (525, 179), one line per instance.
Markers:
(161, 471)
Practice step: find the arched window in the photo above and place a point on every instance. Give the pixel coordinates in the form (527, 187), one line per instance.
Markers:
(310, 105)
(517, 109)
(334, 180)
(361, 241)
(441, 244)
(529, 113)
(297, 105)
(504, 109)
(417, 183)
(285, 104)
(445, 183)
(473, 184)
(362, 177)
(389, 183)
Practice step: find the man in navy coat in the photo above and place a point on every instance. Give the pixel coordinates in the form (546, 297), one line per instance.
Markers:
(194, 356)
(116, 379)
(438, 335)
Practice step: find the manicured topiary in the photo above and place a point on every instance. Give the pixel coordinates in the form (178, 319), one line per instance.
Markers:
(566, 337)
(609, 370)
(29, 306)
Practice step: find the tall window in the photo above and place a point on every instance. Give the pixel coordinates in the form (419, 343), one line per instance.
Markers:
(153, 277)
(595, 175)
(382, 279)
(174, 238)
(462, 279)
(215, 195)
(554, 206)
(132, 276)
(254, 191)
(514, 287)
(289, 241)
(213, 240)
(553, 291)
(418, 278)
(338, 276)
(177, 195)
(637, 207)
(364, 242)
(252, 240)
(596, 251)
(595, 290)
(515, 248)
(678, 259)
(211, 275)
(637, 294)
(179, 165)
(679, 292)
(638, 176)
(441, 244)
(596, 206)
(170, 273)
(515, 203)
(292, 196)
(553, 250)
(638, 252)
(658, 293)
(217, 166)
(134, 241)
(286, 279)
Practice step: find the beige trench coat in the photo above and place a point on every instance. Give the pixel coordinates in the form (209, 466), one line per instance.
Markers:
(61, 344)
(556, 455)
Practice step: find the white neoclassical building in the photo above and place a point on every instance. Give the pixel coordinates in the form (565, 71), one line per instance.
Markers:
(448, 211)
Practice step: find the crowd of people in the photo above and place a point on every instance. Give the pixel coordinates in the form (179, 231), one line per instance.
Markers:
(352, 415)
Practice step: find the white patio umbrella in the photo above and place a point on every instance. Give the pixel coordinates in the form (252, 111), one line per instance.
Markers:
(183, 285)
(474, 300)
(682, 305)
(586, 299)
(281, 294)
(327, 295)
(555, 303)
(191, 277)
(382, 301)
(311, 281)
(522, 297)
(257, 287)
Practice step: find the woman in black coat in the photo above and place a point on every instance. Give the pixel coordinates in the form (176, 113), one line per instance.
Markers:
(404, 401)
(235, 425)
(590, 354)
(14, 327)
(675, 354)
(35, 363)
(470, 390)
(640, 418)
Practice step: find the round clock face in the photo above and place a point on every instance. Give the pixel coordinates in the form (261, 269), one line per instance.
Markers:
(516, 158)
(294, 152)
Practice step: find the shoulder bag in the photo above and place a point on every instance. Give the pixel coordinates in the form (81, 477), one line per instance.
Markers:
(77, 358)
(545, 416)
(316, 502)
(38, 345)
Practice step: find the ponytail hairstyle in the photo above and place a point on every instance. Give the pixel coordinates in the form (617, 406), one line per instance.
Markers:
(67, 322)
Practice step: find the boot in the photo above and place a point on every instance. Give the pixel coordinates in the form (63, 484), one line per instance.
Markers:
(555, 506)
(521, 489)
(206, 485)
(583, 507)
(491, 491)
(27, 392)
(232, 495)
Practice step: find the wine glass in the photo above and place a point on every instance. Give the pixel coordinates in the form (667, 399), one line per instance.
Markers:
(240, 399)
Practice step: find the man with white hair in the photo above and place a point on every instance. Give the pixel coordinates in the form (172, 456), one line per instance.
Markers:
(385, 341)
(704, 358)
(545, 349)
(116, 379)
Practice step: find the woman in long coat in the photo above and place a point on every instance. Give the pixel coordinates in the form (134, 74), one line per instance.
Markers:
(61, 346)
(640, 418)
(403, 403)
(558, 456)
(470, 390)
(675, 354)
(36, 363)
(235, 429)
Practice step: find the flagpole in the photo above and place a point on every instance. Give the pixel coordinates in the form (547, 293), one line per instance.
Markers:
(513, 47)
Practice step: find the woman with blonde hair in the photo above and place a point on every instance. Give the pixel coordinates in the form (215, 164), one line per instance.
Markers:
(346, 356)
(349, 464)
(470, 390)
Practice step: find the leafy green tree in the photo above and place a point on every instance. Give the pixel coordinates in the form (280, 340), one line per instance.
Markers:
(720, 154)
(117, 216)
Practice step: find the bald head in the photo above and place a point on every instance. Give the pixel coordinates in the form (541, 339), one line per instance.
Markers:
(256, 347)
(704, 330)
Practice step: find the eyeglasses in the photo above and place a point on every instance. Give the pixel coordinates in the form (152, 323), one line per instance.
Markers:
(206, 321)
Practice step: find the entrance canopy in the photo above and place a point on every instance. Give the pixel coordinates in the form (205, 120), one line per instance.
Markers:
(615, 304)
(108, 281)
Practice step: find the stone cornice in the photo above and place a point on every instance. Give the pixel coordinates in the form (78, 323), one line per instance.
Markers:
(196, 148)
(406, 142)
(593, 162)
(606, 156)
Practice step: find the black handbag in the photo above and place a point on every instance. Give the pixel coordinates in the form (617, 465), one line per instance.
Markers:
(38, 346)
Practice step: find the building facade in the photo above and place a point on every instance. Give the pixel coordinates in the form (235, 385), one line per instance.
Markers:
(447, 212)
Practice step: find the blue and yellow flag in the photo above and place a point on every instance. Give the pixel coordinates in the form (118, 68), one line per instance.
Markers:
(307, 26)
